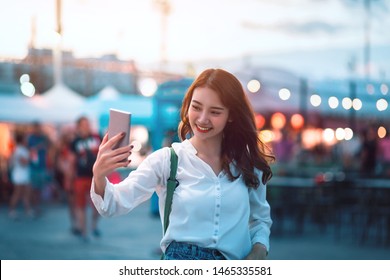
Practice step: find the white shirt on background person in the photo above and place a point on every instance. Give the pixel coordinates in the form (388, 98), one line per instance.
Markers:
(20, 173)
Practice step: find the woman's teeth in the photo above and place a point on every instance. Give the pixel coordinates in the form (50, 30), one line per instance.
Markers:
(203, 128)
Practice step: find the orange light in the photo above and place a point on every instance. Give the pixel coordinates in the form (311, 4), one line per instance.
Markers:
(260, 121)
(311, 137)
(382, 132)
(266, 135)
(297, 121)
(278, 120)
(5, 141)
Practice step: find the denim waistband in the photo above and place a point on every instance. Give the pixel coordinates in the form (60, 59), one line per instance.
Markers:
(188, 251)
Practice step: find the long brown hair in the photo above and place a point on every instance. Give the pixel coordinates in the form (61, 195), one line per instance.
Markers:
(241, 144)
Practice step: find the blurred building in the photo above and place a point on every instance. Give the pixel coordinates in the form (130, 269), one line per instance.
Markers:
(83, 75)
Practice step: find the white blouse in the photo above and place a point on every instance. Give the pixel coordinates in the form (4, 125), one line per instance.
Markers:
(207, 210)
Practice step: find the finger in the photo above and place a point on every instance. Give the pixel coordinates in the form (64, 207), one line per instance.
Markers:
(104, 144)
(110, 157)
(114, 140)
(125, 149)
(122, 164)
(121, 157)
(111, 142)
(105, 139)
(103, 168)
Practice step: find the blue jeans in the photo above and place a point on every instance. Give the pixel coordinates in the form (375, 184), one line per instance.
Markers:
(186, 251)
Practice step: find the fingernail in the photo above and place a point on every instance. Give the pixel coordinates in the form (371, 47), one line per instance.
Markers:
(123, 133)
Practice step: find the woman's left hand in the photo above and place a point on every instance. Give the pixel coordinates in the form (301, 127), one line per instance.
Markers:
(258, 252)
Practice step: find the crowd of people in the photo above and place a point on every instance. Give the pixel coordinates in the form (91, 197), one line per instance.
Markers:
(60, 170)
(365, 155)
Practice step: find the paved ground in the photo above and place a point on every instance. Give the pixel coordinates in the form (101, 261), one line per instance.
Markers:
(137, 235)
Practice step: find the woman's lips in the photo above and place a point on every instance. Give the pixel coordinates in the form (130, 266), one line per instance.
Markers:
(203, 129)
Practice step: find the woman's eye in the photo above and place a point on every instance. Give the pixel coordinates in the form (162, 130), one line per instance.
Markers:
(216, 113)
(196, 108)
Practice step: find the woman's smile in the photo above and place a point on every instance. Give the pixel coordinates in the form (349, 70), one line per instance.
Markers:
(203, 129)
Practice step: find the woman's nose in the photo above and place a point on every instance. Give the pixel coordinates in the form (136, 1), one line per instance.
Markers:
(203, 117)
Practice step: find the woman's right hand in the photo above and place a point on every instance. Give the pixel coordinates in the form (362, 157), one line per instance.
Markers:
(109, 159)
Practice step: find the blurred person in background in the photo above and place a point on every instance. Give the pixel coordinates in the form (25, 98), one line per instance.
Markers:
(38, 145)
(20, 177)
(65, 174)
(85, 148)
(6, 148)
(4, 179)
(219, 209)
(384, 154)
(368, 152)
(349, 153)
(284, 148)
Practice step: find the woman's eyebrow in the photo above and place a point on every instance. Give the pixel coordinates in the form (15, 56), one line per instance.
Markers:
(212, 107)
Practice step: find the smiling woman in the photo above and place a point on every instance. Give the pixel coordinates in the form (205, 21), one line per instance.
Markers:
(219, 209)
(207, 113)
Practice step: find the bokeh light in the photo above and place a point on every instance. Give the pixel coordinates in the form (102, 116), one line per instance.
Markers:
(370, 89)
(297, 121)
(333, 102)
(328, 135)
(340, 134)
(348, 133)
(311, 137)
(25, 78)
(381, 104)
(253, 86)
(27, 89)
(148, 87)
(382, 132)
(284, 94)
(278, 120)
(357, 104)
(140, 133)
(346, 103)
(260, 121)
(384, 89)
(266, 136)
(137, 145)
(315, 100)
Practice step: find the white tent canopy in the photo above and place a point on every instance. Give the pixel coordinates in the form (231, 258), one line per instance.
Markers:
(107, 93)
(60, 96)
(58, 105)
(17, 108)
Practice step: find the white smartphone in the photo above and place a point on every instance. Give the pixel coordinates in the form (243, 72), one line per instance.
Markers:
(120, 121)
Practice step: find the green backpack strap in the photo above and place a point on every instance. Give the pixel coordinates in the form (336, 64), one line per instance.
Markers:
(171, 186)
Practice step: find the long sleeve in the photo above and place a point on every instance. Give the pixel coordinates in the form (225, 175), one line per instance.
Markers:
(138, 187)
(260, 221)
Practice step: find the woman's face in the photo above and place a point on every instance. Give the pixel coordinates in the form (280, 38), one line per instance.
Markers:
(207, 115)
